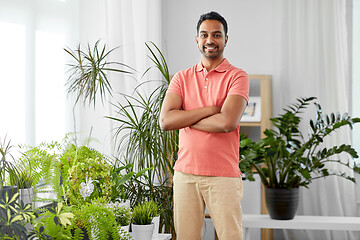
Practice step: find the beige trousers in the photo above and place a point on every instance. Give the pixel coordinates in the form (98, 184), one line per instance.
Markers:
(221, 196)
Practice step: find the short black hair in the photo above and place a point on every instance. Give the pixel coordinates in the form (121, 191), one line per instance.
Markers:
(212, 16)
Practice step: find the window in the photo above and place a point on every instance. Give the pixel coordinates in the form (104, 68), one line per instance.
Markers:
(33, 103)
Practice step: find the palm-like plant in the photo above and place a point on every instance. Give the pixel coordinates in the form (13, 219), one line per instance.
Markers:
(6, 166)
(145, 144)
(285, 159)
(88, 74)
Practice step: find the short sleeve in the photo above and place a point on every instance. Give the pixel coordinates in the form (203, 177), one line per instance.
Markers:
(240, 85)
(175, 85)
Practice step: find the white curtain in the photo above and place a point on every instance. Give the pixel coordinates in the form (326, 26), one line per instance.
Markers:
(125, 25)
(33, 101)
(33, 105)
(313, 55)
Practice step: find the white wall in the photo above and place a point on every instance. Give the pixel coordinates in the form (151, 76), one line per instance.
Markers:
(251, 32)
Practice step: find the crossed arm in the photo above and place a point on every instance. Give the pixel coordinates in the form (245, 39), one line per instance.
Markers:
(209, 119)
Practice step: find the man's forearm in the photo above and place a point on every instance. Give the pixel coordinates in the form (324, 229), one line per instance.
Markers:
(177, 119)
(217, 123)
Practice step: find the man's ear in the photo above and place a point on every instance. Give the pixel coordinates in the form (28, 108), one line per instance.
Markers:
(197, 40)
(226, 39)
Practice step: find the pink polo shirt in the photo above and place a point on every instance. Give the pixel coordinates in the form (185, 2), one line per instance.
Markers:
(203, 153)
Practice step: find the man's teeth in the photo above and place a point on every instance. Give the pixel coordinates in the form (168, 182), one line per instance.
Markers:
(210, 48)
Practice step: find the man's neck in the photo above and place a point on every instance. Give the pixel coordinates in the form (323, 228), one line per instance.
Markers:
(210, 63)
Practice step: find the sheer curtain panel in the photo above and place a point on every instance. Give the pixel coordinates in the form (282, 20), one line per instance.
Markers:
(314, 60)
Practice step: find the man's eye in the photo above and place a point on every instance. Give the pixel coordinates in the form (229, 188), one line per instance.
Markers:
(203, 35)
(217, 35)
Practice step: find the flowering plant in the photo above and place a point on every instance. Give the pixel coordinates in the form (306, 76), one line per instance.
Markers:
(87, 188)
(86, 175)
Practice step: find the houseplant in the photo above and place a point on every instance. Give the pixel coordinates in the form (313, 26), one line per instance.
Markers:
(7, 167)
(122, 216)
(144, 143)
(13, 218)
(82, 165)
(88, 74)
(142, 216)
(285, 160)
(24, 182)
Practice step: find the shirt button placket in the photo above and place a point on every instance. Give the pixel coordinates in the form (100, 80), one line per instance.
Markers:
(206, 82)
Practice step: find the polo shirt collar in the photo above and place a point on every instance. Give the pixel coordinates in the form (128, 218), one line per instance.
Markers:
(221, 68)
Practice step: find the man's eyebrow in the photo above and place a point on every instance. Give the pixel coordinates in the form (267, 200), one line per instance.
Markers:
(211, 32)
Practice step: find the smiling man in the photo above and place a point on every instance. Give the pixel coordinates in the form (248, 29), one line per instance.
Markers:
(206, 102)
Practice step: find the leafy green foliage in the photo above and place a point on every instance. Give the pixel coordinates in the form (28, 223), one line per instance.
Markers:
(145, 145)
(21, 178)
(13, 217)
(122, 215)
(285, 159)
(42, 163)
(53, 224)
(88, 73)
(144, 212)
(99, 221)
(121, 176)
(6, 166)
(81, 163)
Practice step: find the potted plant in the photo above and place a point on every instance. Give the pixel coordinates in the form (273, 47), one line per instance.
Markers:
(142, 216)
(122, 216)
(285, 160)
(85, 166)
(24, 182)
(144, 144)
(7, 167)
(54, 223)
(13, 218)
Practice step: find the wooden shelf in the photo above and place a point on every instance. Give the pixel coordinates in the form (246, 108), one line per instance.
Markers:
(261, 86)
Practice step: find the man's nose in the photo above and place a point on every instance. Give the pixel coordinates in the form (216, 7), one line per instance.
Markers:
(210, 40)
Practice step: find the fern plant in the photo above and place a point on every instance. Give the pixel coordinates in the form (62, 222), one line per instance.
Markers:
(42, 163)
(285, 158)
(99, 221)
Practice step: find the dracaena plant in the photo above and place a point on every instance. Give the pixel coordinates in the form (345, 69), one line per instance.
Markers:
(286, 159)
(6, 164)
(88, 72)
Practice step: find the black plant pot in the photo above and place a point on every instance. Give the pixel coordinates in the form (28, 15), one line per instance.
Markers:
(282, 203)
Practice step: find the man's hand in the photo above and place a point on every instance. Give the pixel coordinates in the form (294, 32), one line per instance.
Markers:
(172, 117)
(227, 120)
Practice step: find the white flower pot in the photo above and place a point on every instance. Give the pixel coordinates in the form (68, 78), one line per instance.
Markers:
(156, 222)
(142, 232)
(125, 228)
(26, 195)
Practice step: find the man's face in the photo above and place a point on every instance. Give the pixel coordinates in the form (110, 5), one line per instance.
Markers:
(211, 39)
